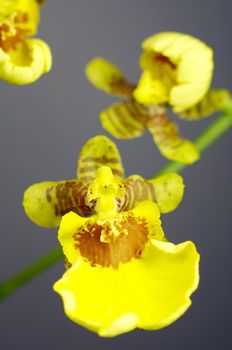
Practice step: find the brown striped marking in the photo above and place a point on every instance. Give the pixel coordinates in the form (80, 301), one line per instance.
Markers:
(137, 190)
(122, 88)
(93, 163)
(147, 116)
(211, 103)
(139, 112)
(126, 124)
(48, 194)
(110, 115)
(102, 160)
(117, 172)
(88, 169)
(87, 179)
(164, 131)
(126, 119)
(71, 196)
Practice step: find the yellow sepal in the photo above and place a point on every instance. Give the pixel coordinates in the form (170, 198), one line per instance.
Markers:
(170, 143)
(96, 152)
(46, 202)
(169, 191)
(166, 191)
(213, 101)
(120, 120)
(107, 77)
(102, 73)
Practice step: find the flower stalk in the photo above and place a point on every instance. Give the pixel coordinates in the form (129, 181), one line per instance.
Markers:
(11, 284)
(208, 137)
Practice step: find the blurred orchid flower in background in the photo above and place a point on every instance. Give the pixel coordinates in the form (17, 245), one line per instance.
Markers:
(176, 73)
(22, 59)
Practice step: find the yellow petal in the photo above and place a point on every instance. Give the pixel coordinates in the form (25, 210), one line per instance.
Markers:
(121, 120)
(46, 202)
(70, 224)
(96, 152)
(194, 66)
(169, 190)
(166, 191)
(148, 293)
(149, 210)
(137, 189)
(27, 63)
(105, 76)
(171, 145)
(213, 101)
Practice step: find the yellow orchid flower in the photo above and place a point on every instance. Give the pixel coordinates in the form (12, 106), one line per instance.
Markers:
(46, 202)
(122, 274)
(181, 64)
(22, 60)
(176, 72)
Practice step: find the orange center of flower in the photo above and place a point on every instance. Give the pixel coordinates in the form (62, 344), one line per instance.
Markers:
(113, 242)
(12, 30)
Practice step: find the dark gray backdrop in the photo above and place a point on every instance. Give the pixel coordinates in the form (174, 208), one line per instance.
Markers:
(43, 127)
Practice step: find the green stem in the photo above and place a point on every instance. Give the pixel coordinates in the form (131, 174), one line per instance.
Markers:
(215, 130)
(13, 283)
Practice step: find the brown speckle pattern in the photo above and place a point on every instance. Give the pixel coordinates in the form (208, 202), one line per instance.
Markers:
(117, 249)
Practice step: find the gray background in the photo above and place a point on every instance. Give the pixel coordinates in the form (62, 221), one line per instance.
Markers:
(43, 127)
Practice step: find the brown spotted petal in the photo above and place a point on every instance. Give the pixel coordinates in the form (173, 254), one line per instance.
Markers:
(137, 190)
(166, 191)
(46, 202)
